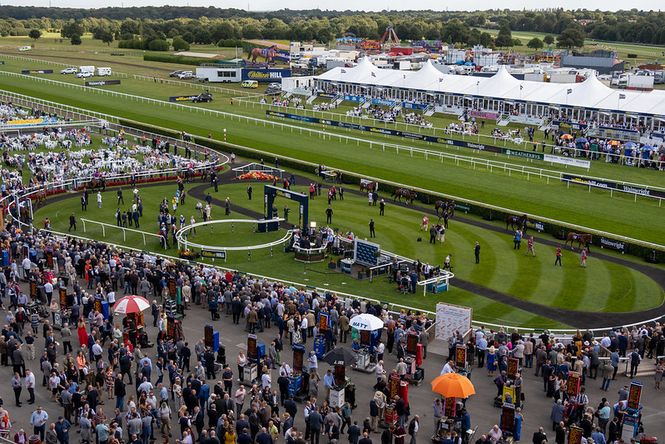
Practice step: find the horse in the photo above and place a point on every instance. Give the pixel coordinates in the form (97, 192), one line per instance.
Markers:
(367, 187)
(445, 207)
(408, 195)
(517, 222)
(97, 183)
(267, 53)
(583, 239)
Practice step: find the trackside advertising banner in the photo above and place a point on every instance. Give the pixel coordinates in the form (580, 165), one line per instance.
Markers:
(265, 75)
(36, 71)
(612, 244)
(183, 98)
(570, 161)
(101, 82)
(608, 185)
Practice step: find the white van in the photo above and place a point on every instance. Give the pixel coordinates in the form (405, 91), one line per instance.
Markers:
(104, 71)
(249, 84)
(24, 48)
(90, 69)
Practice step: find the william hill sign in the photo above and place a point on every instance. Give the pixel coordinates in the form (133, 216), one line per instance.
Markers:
(265, 75)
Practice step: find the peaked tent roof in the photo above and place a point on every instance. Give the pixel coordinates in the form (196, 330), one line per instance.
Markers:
(591, 93)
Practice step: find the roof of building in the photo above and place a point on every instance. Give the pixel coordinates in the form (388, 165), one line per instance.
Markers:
(591, 93)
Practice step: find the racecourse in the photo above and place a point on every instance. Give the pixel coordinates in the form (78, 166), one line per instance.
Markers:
(535, 196)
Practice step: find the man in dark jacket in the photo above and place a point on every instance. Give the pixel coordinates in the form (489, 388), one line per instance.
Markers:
(354, 433)
(539, 437)
(315, 422)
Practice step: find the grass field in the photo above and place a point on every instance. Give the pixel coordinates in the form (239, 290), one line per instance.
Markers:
(645, 53)
(603, 286)
(251, 107)
(576, 205)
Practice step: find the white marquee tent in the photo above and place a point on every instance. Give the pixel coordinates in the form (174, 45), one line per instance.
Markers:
(590, 94)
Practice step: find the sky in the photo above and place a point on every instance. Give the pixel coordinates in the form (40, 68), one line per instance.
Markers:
(373, 5)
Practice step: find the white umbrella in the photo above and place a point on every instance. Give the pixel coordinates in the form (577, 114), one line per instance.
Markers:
(131, 304)
(366, 321)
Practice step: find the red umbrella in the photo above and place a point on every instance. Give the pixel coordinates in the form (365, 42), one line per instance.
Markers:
(131, 304)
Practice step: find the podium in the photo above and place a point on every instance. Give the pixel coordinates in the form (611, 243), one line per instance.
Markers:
(320, 346)
(295, 384)
(336, 398)
(249, 373)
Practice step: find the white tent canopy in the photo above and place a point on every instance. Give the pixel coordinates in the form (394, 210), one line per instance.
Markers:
(591, 93)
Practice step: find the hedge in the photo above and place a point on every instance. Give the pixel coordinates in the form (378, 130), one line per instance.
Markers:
(486, 213)
(170, 58)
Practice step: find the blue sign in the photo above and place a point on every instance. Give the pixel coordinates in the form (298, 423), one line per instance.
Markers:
(411, 105)
(352, 98)
(383, 102)
(265, 75)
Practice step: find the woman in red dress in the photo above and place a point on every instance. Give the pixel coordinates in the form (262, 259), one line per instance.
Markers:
(82, 333)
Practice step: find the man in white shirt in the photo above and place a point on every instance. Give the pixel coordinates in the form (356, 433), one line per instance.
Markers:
(266, 380)
(26, 265)
(48, 289)
(38, 421)
(448, 368)
(97, 351)
(30, 385)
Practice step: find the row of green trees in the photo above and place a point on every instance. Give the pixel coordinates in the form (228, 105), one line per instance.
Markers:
(210, 25)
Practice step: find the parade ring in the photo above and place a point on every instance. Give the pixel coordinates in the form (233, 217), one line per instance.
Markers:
(183, 242)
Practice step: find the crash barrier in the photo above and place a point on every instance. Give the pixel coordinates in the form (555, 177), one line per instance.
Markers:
(213, 250)
(112, 227)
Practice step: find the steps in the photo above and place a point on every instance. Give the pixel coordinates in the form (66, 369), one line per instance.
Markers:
(429, 111)
(311, 99)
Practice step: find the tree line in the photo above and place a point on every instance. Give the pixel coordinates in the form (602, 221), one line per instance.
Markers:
(210, 25)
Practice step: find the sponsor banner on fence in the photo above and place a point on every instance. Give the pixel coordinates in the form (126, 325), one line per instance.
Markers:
(612, 244)
(524, 154)
(606, 184)
(411, 105)
(484, 115)
(383, 102)
(101, 82)
(570, 161)
(183, 98)
(214, 254)
(352, 98)
(265, 75)
(36, 71)
(25, 122)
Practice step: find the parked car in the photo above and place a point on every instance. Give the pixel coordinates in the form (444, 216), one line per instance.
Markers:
(204, 97)
(184, 75)
(84, 74)
(70, 70)
(175, 73)
(273, 89)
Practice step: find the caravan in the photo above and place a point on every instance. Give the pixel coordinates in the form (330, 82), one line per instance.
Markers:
(103, 72)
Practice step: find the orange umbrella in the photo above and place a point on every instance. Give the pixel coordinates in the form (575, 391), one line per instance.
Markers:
(566, 136)
(453, 385)
(614, 143)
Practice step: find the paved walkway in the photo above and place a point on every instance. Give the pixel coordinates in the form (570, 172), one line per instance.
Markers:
(483, 414)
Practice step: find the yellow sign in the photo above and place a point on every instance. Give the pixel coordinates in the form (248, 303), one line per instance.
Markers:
(25, 122)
